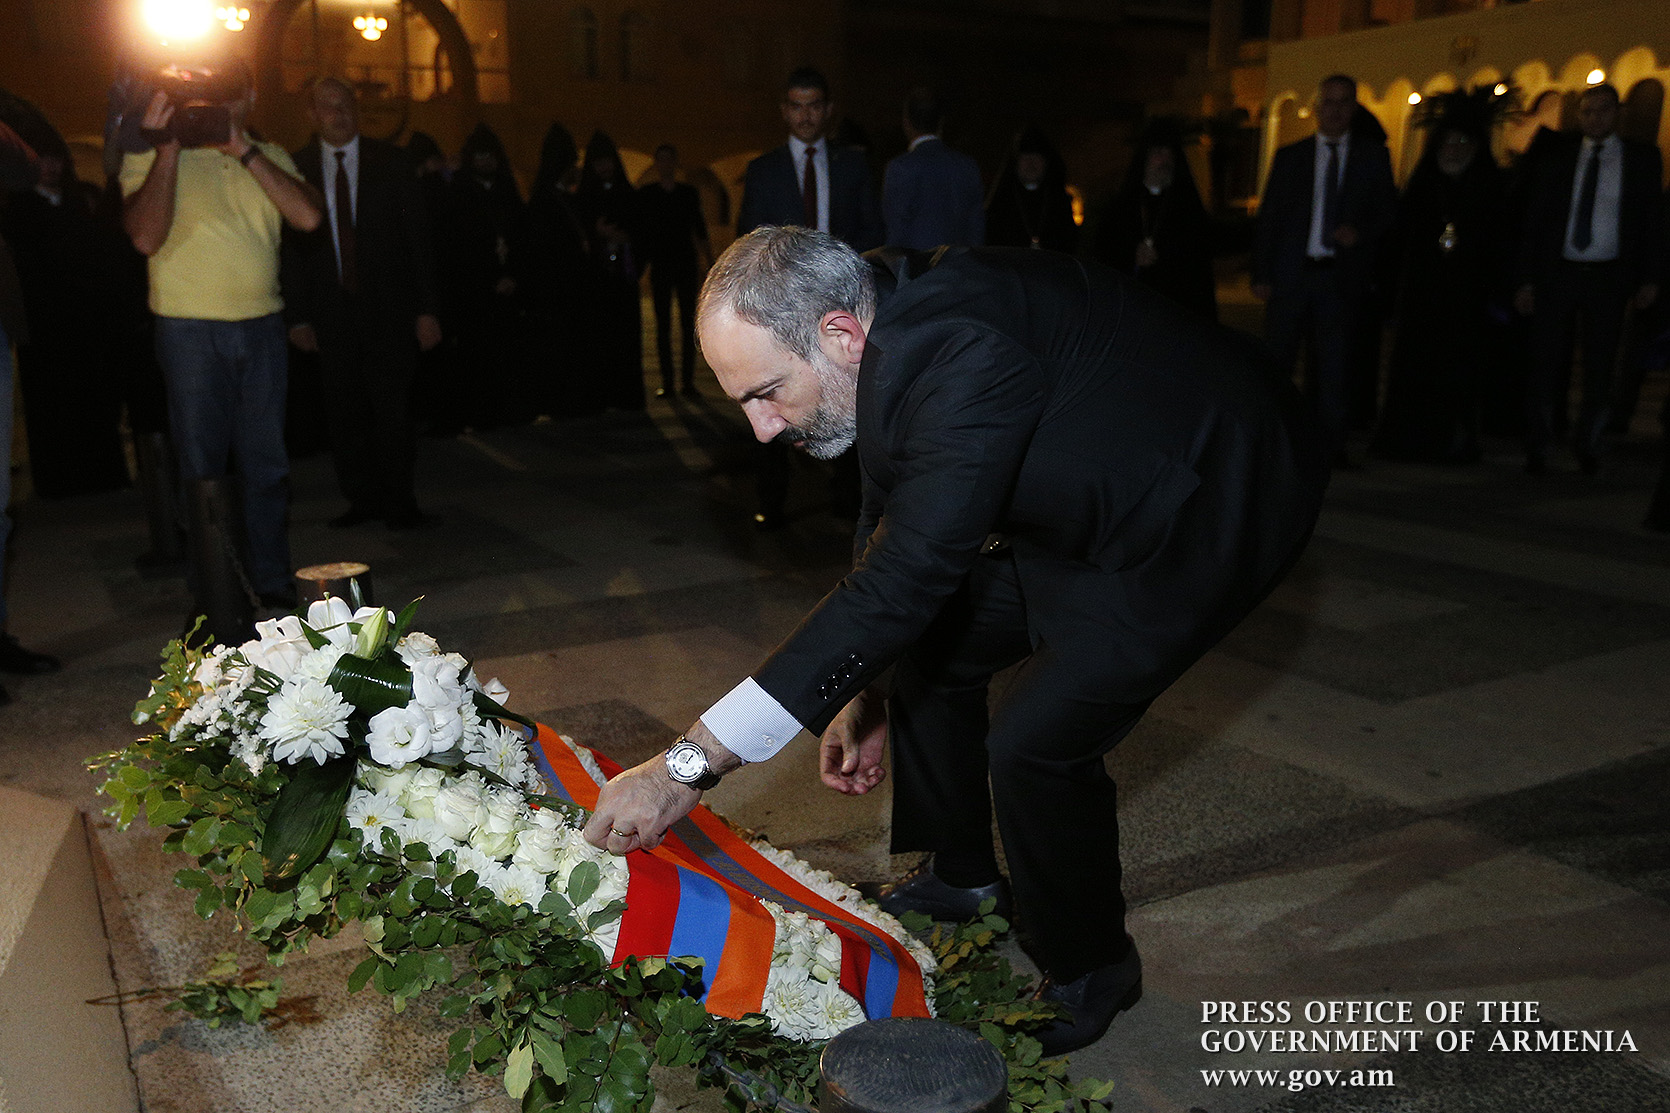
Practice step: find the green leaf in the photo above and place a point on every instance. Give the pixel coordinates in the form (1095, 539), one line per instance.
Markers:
(162, 811)
(200, 838)
(372, 686)
(548, 1053)
(583, 882)
(362, 974)
(518, 1070)
(585, 1008)
(490, 708)
(306, 815)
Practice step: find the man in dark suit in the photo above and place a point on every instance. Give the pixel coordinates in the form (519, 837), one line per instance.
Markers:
(1591, 248)
(931, 194)
(674, 238)
(1062, 470)
(361, 291)
(814, 183)
(1328, 200)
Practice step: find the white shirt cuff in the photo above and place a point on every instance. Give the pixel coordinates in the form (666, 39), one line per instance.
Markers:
(749, 723)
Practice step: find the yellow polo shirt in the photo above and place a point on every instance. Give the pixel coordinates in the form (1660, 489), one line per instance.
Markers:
(220, 261)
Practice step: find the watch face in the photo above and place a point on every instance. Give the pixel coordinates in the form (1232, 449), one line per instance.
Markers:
(686, 762)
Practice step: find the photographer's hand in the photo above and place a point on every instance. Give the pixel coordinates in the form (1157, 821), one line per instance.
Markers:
(148, 213)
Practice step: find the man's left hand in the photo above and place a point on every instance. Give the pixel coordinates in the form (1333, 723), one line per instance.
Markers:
(849, 753)
(428, 331)
(635, 809)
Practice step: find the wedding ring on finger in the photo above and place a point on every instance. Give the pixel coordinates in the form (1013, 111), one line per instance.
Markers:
(618, 831)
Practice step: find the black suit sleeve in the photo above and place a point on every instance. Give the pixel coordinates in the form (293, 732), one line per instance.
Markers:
(954, 444)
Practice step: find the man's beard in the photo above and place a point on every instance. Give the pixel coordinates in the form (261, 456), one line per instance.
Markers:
(833, 426)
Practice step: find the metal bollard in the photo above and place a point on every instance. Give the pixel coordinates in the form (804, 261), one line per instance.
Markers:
(217, 578)
(159, 488)
(910, 1064)
(337, 580)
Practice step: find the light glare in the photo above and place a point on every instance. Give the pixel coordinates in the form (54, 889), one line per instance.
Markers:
(1414, 98)
(1596, 76)
(371, 26)
(176, 20)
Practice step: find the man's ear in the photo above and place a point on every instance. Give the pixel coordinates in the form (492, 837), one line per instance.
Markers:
(842, 337)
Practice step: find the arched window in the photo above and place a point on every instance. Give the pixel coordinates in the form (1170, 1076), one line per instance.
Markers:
(587, 63)
(635, 61)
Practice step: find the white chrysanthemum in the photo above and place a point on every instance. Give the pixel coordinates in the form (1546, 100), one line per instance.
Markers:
(307, 719)
(505, 755)
(471, 860)
(371, 813)
(518, 885)
(837, 1010)
(430, 834)
(319, 664)
(793, 1006)
(399, 735)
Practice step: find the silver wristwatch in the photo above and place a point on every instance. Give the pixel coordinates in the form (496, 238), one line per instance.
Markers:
(687, 764)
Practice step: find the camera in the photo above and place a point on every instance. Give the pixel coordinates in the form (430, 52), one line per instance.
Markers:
(202, 98)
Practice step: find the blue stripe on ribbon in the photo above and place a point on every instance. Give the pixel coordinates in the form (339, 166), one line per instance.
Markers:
(704, 918)
(881, 985)
(546, 769)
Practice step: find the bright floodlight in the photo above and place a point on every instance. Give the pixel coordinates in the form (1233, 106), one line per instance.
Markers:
(1414, 98)
(175, 20)
(1501, 89)
(1596, 76)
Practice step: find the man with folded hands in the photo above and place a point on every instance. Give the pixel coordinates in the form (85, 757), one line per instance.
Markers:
(1061, 470)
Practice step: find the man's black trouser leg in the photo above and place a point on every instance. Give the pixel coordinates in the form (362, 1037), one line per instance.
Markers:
(1042, 750)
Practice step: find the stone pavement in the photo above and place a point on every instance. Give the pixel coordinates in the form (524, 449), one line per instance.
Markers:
(1434, 767)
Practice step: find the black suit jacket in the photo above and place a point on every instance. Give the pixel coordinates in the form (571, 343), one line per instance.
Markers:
(1152, 475)
(932, 195)
(395, 259)
(771, 195)
(1367, 202)
(1640, 214)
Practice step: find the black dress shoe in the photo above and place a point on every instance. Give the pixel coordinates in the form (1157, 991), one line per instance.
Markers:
(1091, 1003)
(14, 658)
(922, 891)
(354, 516)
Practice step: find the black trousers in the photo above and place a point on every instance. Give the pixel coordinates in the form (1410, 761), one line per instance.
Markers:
(1036, 761)
(664, 283)
(1585, 302)
(1325, 308)
(367, 378)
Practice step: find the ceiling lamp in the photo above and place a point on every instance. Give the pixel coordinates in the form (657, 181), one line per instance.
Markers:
(1596, 76)
(370, 26)
(233, 19)
(1414, 98)
(177, 20)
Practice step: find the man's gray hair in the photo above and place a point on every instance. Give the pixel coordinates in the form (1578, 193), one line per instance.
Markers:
(785, 279)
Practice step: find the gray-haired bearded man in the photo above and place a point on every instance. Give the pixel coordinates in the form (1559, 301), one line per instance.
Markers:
(1060, 469)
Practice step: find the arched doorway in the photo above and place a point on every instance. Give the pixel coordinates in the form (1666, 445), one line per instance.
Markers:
(453, 63)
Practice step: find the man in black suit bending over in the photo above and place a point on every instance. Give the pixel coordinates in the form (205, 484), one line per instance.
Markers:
(360, 290)
(1060, 468)
(1328, 200)
(812, 182)
(1591, 247)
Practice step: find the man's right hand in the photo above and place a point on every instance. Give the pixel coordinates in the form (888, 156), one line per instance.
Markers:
(303, 337)
(157, 115)
(849, 753)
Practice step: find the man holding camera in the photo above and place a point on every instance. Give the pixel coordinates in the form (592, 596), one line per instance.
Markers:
(206, 207)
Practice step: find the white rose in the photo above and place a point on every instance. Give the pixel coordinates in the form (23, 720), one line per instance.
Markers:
(418, 798)
(460, 809)
(415, 646)
(399, 735)
(495, 835)
(392, 781)
(436, 681)
(538, 848)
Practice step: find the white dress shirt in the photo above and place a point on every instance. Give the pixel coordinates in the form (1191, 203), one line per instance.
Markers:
(327, 169)
(749, 723)
(1609, 192)
(1319, 247)
(820, 163)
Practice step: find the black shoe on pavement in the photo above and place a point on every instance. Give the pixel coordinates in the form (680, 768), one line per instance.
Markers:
(1091, 1003)
(922, 891)
(14, 658)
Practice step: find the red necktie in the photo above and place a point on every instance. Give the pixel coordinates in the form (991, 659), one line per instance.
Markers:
(345, 224)
(809, 188)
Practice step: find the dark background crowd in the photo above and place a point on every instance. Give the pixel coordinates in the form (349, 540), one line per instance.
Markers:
(1466, 305)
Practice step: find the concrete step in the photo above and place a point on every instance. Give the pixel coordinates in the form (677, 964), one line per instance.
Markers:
(58, 1054)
